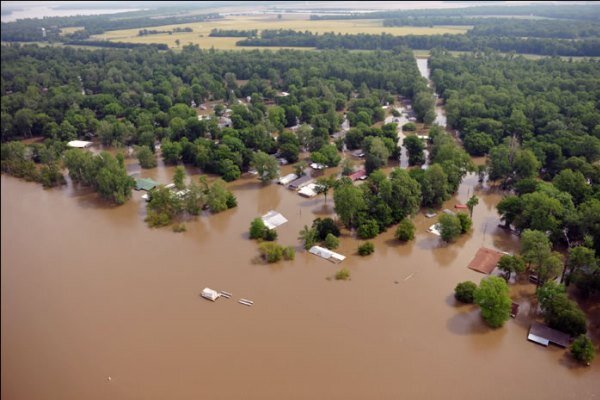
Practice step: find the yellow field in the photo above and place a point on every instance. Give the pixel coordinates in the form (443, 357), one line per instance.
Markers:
(202, 29)
(70, 29)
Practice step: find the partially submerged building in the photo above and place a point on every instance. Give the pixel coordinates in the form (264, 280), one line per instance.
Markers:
(327, 254)
(273, 219)
(300, 182)
(79, 144)
(485, 260)
(145, 184)
(284, 180)
(544, 335)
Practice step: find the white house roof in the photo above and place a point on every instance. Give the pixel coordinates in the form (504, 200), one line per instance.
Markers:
(273, 219)
(308, 190)
(284, 180)
(210, 294)
(327, 254)
(79, 144)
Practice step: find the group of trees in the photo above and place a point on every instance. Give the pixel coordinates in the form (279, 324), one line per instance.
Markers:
(492, 297)
(29, 29)
(324, 231)
(540, 125)
(233, 33)
(559, 311)
(40, 162)
(103, 172)
(589, 47)
(166, 204)
(139, 97)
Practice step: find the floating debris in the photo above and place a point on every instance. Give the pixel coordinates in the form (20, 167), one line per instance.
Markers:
(246, 302)
(225, 294)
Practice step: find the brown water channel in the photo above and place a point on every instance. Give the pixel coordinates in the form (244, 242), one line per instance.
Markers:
(90, 292)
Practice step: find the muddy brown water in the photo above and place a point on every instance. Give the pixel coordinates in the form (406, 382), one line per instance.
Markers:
(90, 292)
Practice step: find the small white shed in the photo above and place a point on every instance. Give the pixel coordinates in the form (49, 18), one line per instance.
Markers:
(210, 294)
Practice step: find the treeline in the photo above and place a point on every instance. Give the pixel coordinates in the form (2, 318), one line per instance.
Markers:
(384, 41)
(539, 121)
(561, 29)
(142, 96)
(116, 45)
(572, 11)
(233, 33)
(29, 29)
(146, 32)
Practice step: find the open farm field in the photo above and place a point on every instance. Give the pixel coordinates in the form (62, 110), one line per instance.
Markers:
(201, 30)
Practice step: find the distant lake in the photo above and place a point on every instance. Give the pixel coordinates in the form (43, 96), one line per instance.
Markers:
(35, 11)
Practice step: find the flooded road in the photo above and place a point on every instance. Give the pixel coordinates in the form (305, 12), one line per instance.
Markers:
(90, 292)
(440, 113)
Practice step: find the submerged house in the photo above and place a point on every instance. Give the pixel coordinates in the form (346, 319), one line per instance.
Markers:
(327, 254)
(300, 182)
(273, 219)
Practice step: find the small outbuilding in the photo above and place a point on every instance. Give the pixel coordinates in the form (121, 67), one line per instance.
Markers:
(210, 294)
(273, 219)
(145, 184)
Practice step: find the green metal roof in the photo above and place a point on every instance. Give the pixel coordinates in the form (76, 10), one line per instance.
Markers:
(145, 184)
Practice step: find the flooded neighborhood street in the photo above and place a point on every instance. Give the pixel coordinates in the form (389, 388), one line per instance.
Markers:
(96, 305)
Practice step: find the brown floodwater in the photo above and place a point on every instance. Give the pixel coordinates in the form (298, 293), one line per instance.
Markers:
(90, 292)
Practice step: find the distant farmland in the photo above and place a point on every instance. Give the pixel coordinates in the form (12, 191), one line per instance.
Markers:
(201, 30)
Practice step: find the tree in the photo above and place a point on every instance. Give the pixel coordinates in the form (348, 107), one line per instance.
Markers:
(478, 143)
(535, 247)
(348, 200)
(300, 168)
(324, 227)
(510, 264)
(219, 198)
(257, 228)
(434, 186)
(376, 154)
(526, 165)
(145, 157)
(450, 227)
(324, 184)
(560, 312)
(583, 350)
(162, 207)
(573, 183)
(366, 248)
(266, 166)
(580, 257)
(465, 222)
(465, 292)
(405, 197)
(331, 242)
(368, 229)
(405, 230)
(271, 251)
(342, 275)
(179, 178)
(414, 146)
(308, 237)
(493, 299)
(471, 203)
